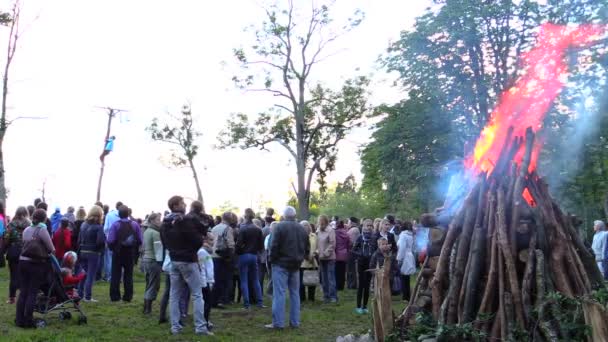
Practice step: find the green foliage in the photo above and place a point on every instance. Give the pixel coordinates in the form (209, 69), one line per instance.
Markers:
(567, 313)
(409, 148)
(307, 119)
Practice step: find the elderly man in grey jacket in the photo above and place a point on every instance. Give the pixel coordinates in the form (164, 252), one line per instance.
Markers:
(287, 250)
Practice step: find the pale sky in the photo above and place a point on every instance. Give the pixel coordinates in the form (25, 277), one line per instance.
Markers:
(150, 57)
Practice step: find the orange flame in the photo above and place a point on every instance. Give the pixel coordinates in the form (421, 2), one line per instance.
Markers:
(526, 103)
(528, 197)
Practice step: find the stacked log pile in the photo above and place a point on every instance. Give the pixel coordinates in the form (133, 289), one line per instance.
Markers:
(499, 256)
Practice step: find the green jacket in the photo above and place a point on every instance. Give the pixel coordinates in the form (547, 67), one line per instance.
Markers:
(151, 235)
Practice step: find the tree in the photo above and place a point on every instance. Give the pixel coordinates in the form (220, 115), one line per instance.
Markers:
(308, 119)
(10, 20)
(179, 131)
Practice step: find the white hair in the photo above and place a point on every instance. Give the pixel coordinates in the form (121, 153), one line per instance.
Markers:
(600, 223)
(289, 212)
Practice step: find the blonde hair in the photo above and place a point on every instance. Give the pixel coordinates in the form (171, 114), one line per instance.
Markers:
(377, 225)
(95, 215)
(382, 223)
(306, 226)
(81, 214)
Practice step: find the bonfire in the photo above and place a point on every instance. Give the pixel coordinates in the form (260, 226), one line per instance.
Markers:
(497, 254)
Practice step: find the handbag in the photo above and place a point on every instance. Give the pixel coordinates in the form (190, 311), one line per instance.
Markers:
(35, 248)
(396, 284)
(310, 277)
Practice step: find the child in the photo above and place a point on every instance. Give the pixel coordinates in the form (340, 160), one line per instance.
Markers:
(362, 251)
(67, 271)
(205, 262)
(384, 250)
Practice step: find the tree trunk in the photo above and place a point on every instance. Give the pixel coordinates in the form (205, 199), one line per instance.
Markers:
(199, 193)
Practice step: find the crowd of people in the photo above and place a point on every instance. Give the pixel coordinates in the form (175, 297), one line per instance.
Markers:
(210, 261)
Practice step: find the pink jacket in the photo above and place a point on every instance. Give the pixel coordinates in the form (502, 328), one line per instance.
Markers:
(343, 245)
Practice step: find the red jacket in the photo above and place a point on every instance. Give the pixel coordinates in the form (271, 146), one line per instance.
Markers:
(62, 240)
(69, 279)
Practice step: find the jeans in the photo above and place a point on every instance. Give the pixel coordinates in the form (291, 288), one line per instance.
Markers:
(108, 264)
(122, 262)
(328, 279)
(340, 275)
(262, 274)
(89, 262)
(248, 268)
(207, 299)
(283, 280)
(153, 270)
(31, 276)
(13, 267)
(365, 279)
(186, 274)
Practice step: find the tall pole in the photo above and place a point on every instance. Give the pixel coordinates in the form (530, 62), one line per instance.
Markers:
(111, 114)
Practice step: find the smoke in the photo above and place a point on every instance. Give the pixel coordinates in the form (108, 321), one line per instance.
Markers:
(564, 160)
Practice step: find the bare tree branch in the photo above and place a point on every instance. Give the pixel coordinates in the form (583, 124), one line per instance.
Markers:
(9, 122)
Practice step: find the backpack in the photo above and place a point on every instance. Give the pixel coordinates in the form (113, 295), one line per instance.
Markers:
(221, 247)
(126, 235)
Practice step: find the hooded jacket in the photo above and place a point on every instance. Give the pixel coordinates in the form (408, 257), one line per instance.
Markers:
(342, 244)
(181, 236)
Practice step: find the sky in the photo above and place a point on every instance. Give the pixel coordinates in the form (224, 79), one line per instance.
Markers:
(149, 58)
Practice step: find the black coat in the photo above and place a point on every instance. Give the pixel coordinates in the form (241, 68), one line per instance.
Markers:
(182, 236)
(289, 245)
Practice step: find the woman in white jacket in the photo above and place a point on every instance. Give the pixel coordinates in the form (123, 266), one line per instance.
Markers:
(405, 258)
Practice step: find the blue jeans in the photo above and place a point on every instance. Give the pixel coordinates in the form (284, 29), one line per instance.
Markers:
(248, 269)
(186, 274)
(328, 279)
(89, 262)
(107, 264)
(283, 280)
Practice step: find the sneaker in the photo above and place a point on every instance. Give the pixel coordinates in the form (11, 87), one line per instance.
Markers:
(359, 311)
(365, 311)
(333, 301)
(210, 326)
(262, 306)
(91, 300)
(271, 326)
(204, 333)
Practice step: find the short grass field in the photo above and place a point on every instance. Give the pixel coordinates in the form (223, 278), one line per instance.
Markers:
(125, 322)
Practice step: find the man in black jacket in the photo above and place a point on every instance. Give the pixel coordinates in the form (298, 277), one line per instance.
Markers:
(181, 235)
(249, 243)
(287, 250)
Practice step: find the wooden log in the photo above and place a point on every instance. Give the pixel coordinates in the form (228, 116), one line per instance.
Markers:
(462, 254)
(501, 296)
(441, 269)
(596, 317)
(509, 259)
(517, 200)
(509, 315)
(476, 261)
(424, 302)
(523, 228)
(528, 281)
(489, 294)
(434, 249)
(522, 255)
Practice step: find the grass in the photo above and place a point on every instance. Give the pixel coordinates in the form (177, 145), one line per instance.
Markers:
(124, 322)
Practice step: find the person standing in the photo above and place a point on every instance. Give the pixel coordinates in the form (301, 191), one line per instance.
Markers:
(309, 263)
(599, 244)
(12, 245)
(343, 246)
(405, 258)
(223, 251)
(81, 216)
(124, 239)
(363, 250)
(326, 245)
(182, 236)
(152, 260)
(92, 241)
(249, 243)
(111, 217)
(351, 267)
(62, 239)
(33, 267)
(288, 248)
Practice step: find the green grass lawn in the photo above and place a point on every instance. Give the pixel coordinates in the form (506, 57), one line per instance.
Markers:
(124, 322)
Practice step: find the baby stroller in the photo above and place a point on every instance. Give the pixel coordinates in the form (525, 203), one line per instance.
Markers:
(53, 297)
